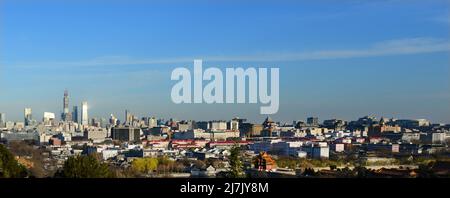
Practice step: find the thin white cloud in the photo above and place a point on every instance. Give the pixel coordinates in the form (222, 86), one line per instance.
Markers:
(445, 19)
(408, 46)
(385, 48)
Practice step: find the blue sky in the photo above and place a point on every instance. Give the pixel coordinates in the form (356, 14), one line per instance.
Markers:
(337, 59)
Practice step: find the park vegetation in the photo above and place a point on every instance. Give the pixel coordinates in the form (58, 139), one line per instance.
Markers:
(9, 166)
(86, 166)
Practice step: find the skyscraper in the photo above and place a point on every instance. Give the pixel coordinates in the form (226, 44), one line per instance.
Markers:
(2, 119)
(28, 116)
(84, 114)
(152, 122)
(49, 119)
(313, 121)
(113, 120)
(66, 116)
(128, 118)
(75, 114)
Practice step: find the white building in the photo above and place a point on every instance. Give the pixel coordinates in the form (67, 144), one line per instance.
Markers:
(433, 138)
(218, 125)
(302, 154)
(202, 134)
(96, 134)
(234, 125)
(278, 146)
(49, 118)
(411, 137)
(152, 122)
(317, 150)
(2, 120)
(109, 153)
(27, 116)
(84, 114)
(339, 148)
(44, 138)
(19, 126)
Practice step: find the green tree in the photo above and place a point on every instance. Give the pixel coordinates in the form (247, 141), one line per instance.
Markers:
(145, 165)
(236, 165)
(9, 167)
(85, 167)
(288, 162)
(24, 149)
(164, 160)
(165, 165)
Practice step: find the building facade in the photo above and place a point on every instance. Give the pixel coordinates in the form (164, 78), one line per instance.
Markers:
(84, 114)
(27, 116)
(126, 134)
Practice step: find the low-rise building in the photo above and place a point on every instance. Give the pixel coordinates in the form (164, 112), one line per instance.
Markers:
(109, 153)
(96, 135)
(202, 134)
(433, 138)
(338, 148)
(317, 150)
(127, 134)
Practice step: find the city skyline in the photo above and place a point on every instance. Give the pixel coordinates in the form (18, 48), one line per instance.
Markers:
(344, 61)
(128, 116)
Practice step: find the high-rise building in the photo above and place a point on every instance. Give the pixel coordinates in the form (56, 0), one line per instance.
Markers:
(113, 120)
(2, 120)
(66, 116)
(250, 130)
(128, 118)
(103, 123)
(312, 121)
(234, 124)
(49, 118)
(28, 116)
(152, 122)
(75, 114)
(269, 127)
(95, 122)
(84, 114)
(127, 134)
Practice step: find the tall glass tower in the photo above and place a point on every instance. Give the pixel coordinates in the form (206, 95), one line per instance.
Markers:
(84, 114)
(66, 116)
(75, 114)
(28, 116)
(2, 119)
